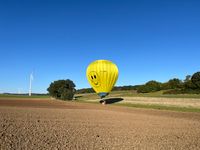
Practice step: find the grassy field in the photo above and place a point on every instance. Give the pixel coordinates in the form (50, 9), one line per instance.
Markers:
(161, 107)
(156, 100)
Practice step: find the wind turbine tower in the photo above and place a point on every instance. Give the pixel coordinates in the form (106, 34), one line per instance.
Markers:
(30, 84)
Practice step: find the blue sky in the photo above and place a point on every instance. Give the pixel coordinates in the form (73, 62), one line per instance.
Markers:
(148, 40)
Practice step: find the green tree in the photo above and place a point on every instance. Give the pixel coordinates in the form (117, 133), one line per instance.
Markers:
(175, 83)
(188, 84)
(196, 79)
(165, 86)
(151, 86)
(62, 89)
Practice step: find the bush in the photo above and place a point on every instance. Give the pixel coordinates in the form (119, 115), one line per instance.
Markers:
(151, 86)
(196, 79)
(62, 89)
(173, 91)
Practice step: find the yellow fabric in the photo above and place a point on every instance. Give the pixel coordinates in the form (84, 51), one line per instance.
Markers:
(102, 75)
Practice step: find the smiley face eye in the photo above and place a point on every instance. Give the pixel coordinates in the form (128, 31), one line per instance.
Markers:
(95, 76)
(92, 77)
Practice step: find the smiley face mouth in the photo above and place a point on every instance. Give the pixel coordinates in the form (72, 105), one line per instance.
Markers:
(96, 83)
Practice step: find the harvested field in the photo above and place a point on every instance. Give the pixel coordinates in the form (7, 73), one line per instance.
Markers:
(52, 124)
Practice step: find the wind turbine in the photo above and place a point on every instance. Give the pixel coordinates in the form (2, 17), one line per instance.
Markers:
(30, 84)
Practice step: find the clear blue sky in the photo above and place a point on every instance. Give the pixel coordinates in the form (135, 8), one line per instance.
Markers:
(148, 40)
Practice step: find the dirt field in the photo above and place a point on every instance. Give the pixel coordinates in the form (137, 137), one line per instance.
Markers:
(50, 124)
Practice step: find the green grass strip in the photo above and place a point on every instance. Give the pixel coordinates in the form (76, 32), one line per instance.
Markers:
(160, 107)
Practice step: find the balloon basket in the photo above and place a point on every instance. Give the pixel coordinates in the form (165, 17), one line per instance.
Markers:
(103, 101)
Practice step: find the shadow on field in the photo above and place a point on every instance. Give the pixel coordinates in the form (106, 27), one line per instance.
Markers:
(78, 97)
(111, 100)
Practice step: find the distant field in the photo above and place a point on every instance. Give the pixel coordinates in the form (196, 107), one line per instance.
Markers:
(183, 102)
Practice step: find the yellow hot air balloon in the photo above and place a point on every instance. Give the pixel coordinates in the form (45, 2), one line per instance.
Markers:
(102, 76)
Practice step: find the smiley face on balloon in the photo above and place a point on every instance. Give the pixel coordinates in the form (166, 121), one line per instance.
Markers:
(94, 78)
(102, 76)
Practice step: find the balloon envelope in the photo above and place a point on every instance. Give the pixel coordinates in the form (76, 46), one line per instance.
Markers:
(102, 76)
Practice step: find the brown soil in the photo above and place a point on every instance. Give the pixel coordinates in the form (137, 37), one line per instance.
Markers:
(52, 124)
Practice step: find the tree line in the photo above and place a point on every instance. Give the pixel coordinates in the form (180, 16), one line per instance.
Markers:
(190, 85)
(116, 88)
(65, 89)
